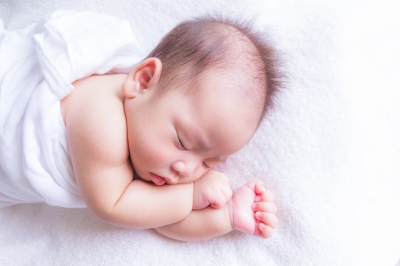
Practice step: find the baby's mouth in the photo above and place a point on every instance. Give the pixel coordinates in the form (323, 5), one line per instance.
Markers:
(158, 180)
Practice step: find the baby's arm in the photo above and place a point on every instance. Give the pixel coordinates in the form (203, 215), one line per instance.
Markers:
(200, 225)
(212, 189)
(250, 210)
(112, 195)
(96, 131)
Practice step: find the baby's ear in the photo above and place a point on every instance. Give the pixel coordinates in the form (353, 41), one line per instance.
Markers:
(143, 76)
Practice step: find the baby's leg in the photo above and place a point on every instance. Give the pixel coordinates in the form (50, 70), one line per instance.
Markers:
(250, 210)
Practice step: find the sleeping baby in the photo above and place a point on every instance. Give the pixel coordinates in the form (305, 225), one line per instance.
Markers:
(83, 124)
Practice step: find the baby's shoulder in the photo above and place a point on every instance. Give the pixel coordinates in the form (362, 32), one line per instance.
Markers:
(95, 119)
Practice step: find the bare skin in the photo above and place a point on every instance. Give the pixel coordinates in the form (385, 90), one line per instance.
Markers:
(240, 213)
(177, 193)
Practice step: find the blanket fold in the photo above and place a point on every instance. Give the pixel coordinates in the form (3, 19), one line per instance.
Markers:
(39, 63)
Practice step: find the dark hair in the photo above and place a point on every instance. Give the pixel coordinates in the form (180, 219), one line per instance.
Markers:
(201, 43)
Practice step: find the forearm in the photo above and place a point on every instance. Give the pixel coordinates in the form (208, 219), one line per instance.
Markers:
(200, 225)
(144, 205)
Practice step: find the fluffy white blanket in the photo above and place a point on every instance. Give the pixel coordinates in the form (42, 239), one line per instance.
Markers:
(330, 150)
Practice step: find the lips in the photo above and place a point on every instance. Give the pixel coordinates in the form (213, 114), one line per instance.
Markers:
(158, 180)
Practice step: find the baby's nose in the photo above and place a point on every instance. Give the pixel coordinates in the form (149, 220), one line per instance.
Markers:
(182, 168)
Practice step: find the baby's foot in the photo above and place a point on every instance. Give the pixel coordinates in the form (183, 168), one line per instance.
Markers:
(253, 210)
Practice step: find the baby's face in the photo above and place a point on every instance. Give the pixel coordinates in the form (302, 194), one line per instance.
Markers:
(179, 137)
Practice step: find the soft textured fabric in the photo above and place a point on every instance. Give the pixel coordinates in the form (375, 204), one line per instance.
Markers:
(329, 149)
(38, 65)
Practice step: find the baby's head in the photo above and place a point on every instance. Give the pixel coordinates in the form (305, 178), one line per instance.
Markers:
(198, 98)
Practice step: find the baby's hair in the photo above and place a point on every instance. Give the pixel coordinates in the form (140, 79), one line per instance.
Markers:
(206, 42)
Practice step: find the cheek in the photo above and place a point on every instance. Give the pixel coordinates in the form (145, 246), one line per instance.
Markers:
(149, 151)
(199, 172)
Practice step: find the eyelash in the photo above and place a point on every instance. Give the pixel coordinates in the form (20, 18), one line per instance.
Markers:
(184, 148)
(206, 165)
(181, 145)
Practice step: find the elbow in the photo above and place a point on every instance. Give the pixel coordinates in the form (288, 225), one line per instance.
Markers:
(103, 214)
(108, 214)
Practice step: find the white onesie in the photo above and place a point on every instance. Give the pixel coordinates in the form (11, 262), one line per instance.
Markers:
(37, 66)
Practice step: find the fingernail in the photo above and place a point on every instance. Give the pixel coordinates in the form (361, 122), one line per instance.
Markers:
(258, 214)
(257, 198)
(254, 206)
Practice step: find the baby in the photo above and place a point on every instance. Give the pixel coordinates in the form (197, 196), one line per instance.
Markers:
(142, 144)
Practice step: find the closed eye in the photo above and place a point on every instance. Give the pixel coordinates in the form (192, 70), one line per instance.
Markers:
(181, 144)
(206, 165)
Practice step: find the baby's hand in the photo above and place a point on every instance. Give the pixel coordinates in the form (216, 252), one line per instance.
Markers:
(253, 210)
(211, 189)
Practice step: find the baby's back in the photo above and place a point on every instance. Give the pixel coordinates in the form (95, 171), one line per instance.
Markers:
(94, 112)
(97, 138)
(37, 67)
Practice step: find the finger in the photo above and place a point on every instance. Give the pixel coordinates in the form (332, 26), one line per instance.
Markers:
(267, 218)
(265, 207)
(268, 196)
(218, 200)
(259, 187)
(266, 231)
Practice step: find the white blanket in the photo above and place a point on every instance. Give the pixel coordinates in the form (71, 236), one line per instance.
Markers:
(39, 63)
(330, 150)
